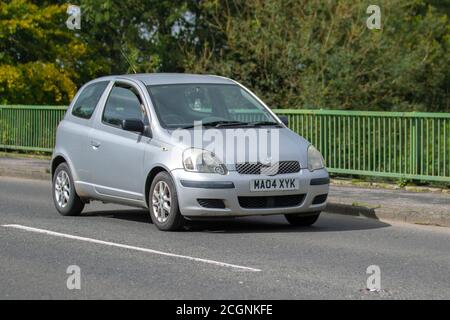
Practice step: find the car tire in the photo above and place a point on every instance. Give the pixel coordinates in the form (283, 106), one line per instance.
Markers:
(163, 203)
(300, 220)
(65, 197)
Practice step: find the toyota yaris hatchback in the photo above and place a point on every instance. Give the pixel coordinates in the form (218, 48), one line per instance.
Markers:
(144, 140)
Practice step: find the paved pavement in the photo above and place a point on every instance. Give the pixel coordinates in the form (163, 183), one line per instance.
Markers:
(328, 260)
(413, 207)
(25, 168)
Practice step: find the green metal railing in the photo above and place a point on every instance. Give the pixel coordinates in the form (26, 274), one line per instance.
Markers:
(408, 145)
(29, 127)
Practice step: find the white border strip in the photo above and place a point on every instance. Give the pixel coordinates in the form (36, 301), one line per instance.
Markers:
(113, 244)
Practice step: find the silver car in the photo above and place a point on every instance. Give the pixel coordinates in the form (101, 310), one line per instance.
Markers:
(142, 140)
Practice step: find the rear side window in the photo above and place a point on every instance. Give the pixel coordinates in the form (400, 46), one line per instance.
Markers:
(87, 100)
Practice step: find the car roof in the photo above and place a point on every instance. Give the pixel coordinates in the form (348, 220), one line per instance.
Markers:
(171, 78)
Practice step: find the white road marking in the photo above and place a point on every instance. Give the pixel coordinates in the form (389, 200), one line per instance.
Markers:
(125, 246)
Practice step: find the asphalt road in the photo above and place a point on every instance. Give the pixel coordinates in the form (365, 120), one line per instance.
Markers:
(247, 258)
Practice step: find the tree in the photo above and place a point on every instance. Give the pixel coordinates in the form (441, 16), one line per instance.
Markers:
(135, 35)
(40, 61)
(293, 53)
(43, 62)
(320, 54)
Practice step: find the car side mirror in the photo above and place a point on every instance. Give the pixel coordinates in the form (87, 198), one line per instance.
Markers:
(133, 125)
(284, 120)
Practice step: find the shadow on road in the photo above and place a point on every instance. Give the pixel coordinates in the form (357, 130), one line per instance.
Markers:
(276, 224)
(137, 215)
(257, 224)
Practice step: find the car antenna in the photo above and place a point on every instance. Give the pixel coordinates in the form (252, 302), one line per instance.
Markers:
(128, 61)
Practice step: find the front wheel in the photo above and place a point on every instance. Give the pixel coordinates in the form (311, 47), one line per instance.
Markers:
(65, 198)
(163, 203)
(302, 220)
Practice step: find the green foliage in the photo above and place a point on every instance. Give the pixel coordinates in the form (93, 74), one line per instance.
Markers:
(403, 182)
(133, 36)
(39, 59)
(39, 82)
(320, 54)
(293, 53)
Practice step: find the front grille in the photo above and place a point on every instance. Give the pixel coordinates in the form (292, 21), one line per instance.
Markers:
(211, 203)
(259, 168)
(321, 198)
(264, 202)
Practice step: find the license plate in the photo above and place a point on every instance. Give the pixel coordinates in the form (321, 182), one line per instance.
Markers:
(274, 184)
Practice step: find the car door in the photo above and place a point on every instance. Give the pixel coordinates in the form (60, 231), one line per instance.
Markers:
(117, 156)
(76, 138)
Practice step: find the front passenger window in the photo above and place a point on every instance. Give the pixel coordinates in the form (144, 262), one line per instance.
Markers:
(123, 103)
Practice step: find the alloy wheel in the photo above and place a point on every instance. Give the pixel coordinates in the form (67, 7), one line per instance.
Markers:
(161, 201)
(62, 188)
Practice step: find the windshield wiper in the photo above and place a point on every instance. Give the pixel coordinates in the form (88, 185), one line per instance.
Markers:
(230, 123)
(219, 124)
(226, 123)
(263, 123)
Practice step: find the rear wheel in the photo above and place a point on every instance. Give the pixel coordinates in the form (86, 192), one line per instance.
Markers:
(163, 203)
(65, 198)
(302, 220)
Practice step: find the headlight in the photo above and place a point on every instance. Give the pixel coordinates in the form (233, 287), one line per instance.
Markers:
(315, 159)
(199, 160)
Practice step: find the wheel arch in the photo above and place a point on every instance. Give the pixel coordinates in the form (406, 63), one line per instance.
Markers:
(150, 176)
(56, 162)
(61, 158)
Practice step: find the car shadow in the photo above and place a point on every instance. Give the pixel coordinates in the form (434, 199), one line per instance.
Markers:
(277, 224)
(256, 224)
(136, 215)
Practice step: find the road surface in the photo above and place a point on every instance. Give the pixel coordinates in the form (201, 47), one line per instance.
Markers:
(122, 255)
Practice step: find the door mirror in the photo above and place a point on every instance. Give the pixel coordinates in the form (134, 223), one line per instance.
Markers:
(284, 119)
(133, 125)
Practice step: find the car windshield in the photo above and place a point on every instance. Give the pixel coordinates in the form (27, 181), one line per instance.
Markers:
(218, 105)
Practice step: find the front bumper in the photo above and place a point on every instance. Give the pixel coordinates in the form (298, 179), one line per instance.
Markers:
(214, 186)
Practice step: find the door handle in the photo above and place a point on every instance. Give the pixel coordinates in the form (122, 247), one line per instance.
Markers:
(95, 144)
